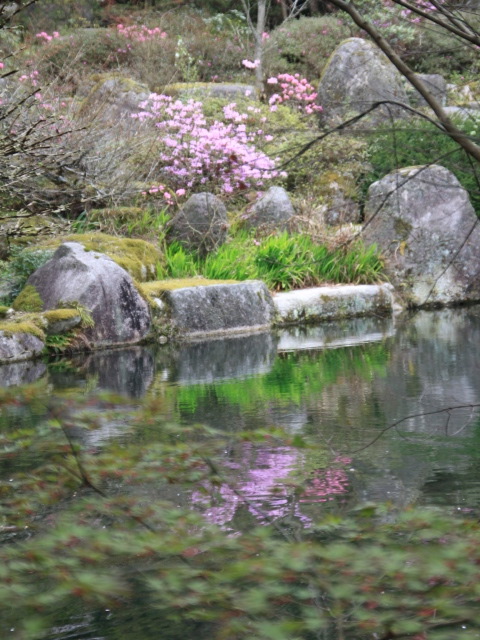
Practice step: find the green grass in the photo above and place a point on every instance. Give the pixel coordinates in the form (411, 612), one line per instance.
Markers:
(282, 261)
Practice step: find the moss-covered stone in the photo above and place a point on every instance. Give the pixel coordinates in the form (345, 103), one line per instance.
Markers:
(3, 311)
(22, 326)
(138, 257)
(60, 314)
(28, 300)
(61, 321)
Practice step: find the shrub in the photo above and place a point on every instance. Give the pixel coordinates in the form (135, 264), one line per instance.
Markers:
(199, 155)
(303, 46)
(422, 143)
(22, 264)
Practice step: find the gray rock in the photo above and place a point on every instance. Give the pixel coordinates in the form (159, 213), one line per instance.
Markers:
(357, 76)
(120, 314)
(19, 346)
(201, 224)
(435, 83)
(273, 211)
(221, 308)
(114, 96)
(318, 304)
(425, 226)
(471, 112)
(341, 210)
(62, 326)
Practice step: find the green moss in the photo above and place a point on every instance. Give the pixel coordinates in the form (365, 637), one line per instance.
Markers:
(22, 326)
(56, 315)
(138, 257)
(158, 287)
(28, 300)
(3, 311)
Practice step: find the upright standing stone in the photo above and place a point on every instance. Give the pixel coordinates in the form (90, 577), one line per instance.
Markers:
(358, 75)
(201, 225)
(273, 211)
(423, 222)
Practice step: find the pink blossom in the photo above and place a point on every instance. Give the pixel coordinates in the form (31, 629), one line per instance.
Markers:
(250, 65)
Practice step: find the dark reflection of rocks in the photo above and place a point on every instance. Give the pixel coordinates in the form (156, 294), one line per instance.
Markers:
(435, 364)
(216, 360)
(128, 371)
(19, 373)
(342, 333)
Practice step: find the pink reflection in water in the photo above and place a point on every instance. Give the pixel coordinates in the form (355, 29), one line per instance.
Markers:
(262, 486)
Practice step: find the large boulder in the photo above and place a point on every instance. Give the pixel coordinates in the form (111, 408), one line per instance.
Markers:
(201, 224)
(95, 281)
(425, 226)
(273, 211)
(357, 76)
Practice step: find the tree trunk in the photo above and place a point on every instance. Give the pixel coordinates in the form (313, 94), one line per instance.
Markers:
(261, 19)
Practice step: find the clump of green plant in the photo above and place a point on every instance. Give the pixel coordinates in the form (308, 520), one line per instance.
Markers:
(421, 143)
(22, 263)
(283, 261)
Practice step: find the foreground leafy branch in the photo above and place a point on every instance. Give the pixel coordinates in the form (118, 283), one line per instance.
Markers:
(74, 540)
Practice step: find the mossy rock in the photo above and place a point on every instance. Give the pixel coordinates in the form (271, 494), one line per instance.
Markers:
(61, 321)
(24, 325)
(136, 256)
(159, 286)
(3, 311)
(154, 290)
(28, 300)
(115, 93)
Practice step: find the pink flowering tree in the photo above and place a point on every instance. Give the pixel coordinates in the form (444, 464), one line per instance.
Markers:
(197, 154)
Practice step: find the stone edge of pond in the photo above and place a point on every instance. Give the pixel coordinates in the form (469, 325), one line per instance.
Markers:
(222, 310)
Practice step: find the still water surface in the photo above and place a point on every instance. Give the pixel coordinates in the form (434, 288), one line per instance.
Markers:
(392, 404)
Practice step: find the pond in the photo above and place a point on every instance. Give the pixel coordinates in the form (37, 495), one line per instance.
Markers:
(392, 405)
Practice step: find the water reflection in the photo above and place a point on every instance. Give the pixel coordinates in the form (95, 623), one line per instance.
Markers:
(370, 389)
